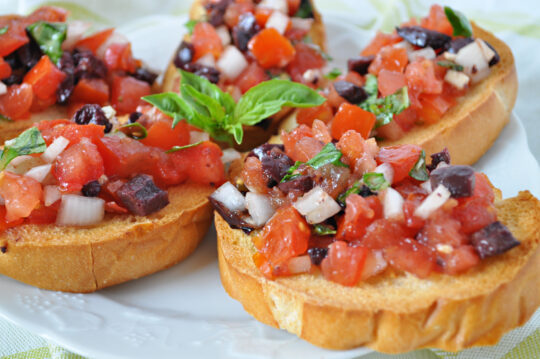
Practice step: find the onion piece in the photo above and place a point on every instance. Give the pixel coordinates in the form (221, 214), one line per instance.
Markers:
(55, 148)
(427, 186)
(80, 211)
(426, 53)
(473, 60)
(39, 173)
(230, 196)
(374, 264)
(259, 207)
(317, 206)
(75, 32)
(22, 164)
(51, 194)
(224, 35)
(278, 21)
(301, 24)
(3, 88)
(392, 204)
(229, 155)
(299, 265)
(207, 60)
(198, 136)
(279, 5)
(432, 202)
(457, 79)
(231, 63)
(387, 170)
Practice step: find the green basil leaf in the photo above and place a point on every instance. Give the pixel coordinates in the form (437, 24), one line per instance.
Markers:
(342, 198)
(375, 181)
(205, 87)
(190, 25)
(460, 23)
(328, 154)
(202, 103)
(450, 65)
(372, 86)
(178, 148)
(385, 108)
(333, 74)
(419, 171)
(323, 230)
(305, 11)
(28, 142)
(290, 172)
(267, 99)
(49, 36)
(4, 29)
(5, 118)
(171, 104)
(134, 130)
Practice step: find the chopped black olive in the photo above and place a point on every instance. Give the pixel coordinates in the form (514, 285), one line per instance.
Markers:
(134, 116)
(350, 92)
(145, 75)
(67, 66)
(260, 151)
(496, 59)
(3, 249)
(459, 180)
(29, 54)
(243, 32)
(360, 64)
(493, 239)
(209, 73)
(215, 11)
(436, 158)
(141, 196)
(301, 184)
(457, 44)
(275, 164)
(88, 66)
(92, 114)
(233, 218)
(421, 37)
(91, 189)
(317, 255)
(184, 55)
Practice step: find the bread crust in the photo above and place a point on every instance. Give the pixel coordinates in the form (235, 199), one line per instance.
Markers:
(396, 313)
(119, 249)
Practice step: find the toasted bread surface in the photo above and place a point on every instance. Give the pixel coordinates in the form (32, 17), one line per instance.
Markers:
(397, 312)
(121, 248)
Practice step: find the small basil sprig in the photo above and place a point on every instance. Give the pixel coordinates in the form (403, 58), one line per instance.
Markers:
(49, 36)
(384, 108)
(205, 106)
(333, 74)
(323, 230)
(305, 11)
(190, 25)
(4, 29)
(460, 23)
(134, 130)
(178, 148)
(28, 142)
(375, 181)
(328, 155)
(450, 65)
(419, 171)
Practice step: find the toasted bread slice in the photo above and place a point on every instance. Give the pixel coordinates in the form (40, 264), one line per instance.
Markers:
(253, 135)
(468, 129)
(119, 249)
(397, 312)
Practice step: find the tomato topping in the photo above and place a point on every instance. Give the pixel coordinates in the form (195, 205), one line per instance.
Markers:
(421, 77)
(321, 132)
(93, 42)
(352, 145)
(291, 138)
(294, 5)
(21, 195)
(442, 229)
(384, 233)
(402, 158)
(91, 91)
(459, 260)
(352, 117)
(389, 58)
(43, 215)
(271, 49)
(406, 119)
(14, 38)
(253, 176)
(124, 156)
(262, 14)
(358, 215)
(48, 13)
(126, 93)
(411, 256)
(252, 76)
(286, 235)
(205, 165)
(16, 103)
(44, 78)
(437, 20)
(5, 69)
(162, 135)
(344, 264)
(205, 40)
(71, 131)
(379, 41)
(391, 81)
(409, 206)
(78, 165)
(5, 224)
(306, 58)
(119, 57)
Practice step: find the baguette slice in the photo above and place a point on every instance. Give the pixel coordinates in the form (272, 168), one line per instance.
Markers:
(470, 128)
(397, 312)
(119, 249)
(253, 135)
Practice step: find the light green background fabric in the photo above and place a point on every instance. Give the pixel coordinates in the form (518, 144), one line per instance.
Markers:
(516, 22)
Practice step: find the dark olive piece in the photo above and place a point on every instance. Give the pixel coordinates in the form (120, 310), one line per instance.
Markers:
(457, 44)
(360, 64)
(350, 92)
(233, 218)
(436, 158)
(134, 116)
(421, 37)
(92, 114)
(209, 73)
(243, 32)
(459, 180)
(145, 75)
(300, 184)
(88, 66)
(496, 59)
(91, 189)
(184, 55)
(317, 255)
(493, 239)
(215, 11)
(141, 196)
(67, 66)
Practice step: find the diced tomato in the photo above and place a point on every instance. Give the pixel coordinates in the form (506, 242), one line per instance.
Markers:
(48, 13)
(93, 42)
(71, 131)
(235, 10)
(306, 148)
(440, 228)
(306, 116)
(73, 107)
(294, 5)
(262, 14)
(412, 257)
(252, 76)
(124, 156)
(13, 38)
(379, 41)
(21, 195)
(91, 91)
(78, 165)
(253, 176)
(352, 145)
(5, 224)
(391, 131)
(459, 260)
(402, 158)
(409, 206)
(390, 82)
(358, 215)
(389, 58)
(162, 135)
(433, 107)
(291, 138)
(43, 215)
(306, 58)
(483, 190)
(113, 207)
(44, 78)
(119, 57)
(5, 69)
(384, 233)
(126, 93)
(16, 103)
(477, 211)
(285, 235)
(406, 119)
(352, 117)
(344, 264)
(321, 132)
(205, 165)
(421, 77)
(271, 49)
(205, 40)
(437, 20)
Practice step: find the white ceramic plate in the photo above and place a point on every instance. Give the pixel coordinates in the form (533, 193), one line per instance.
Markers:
(184, 311)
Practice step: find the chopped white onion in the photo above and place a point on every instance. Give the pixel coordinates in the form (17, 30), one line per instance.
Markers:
(39, 173)
(392, 204)
(311, 75)
(426, 53)
(432, 202)
(80, 211)
(259, 207)
(22, 164)
(301, 24)
(387, 170)
(427, 186)
(75, 32)
(457, 79)
(51, 194)
(232, 62)
(109, 112)
(115, 38)
(198, 136)
(375, 264)
(278, 21)
(3, 88)
(473, 60)
(230, 196)
(371, 147)
(224, 35)
(55, 148)
(489, 54)
(207, 60)
(299, 265)
(229, 155)
(449, 56)
(279, 5)
(317, 205)
(404, 45)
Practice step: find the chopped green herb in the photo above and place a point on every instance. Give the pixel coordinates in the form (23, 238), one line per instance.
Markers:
(356, 187)
(134, 130)
(5, 118)
(323, 230)
(384, 108)
(305, 11)
(419, 171)
(450, 65)
(28, 142)
(49, 36)
(375, 181)
(190, 25)
(328, 155)
(178, 148)
(333, 74)
(4, 29)
(460, 23)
